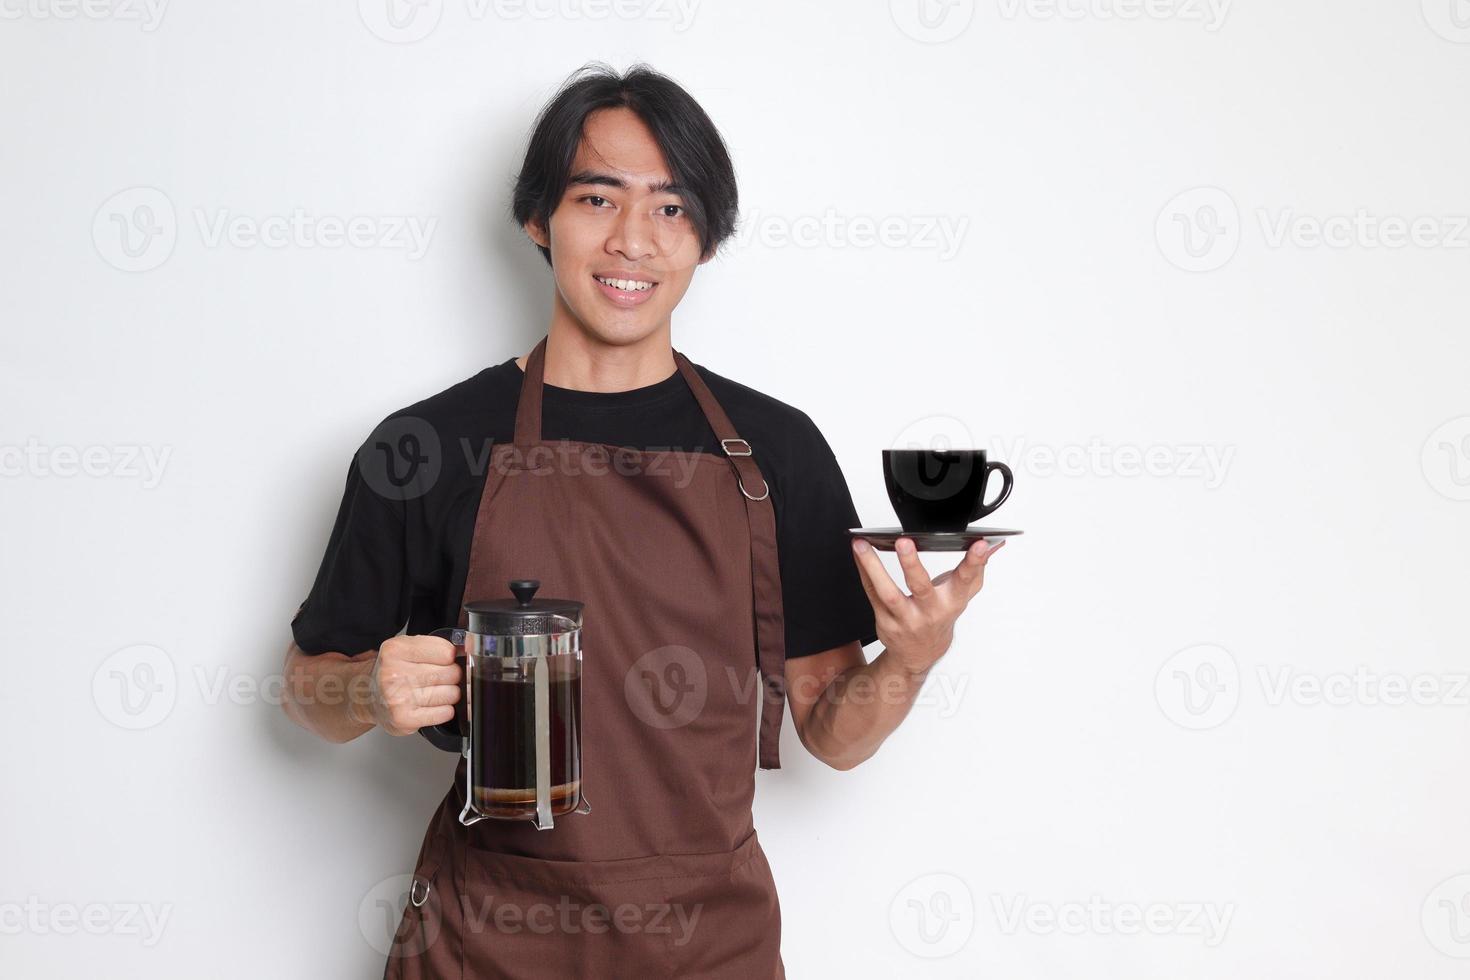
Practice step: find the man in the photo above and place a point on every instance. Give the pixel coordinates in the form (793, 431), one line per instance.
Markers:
(734, 552)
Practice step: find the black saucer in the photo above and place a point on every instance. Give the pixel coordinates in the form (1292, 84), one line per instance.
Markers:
(884, 538)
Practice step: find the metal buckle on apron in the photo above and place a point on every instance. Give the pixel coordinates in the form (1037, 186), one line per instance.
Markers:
(416, 896)
(418, 889)
(749, 451)
(764, 493)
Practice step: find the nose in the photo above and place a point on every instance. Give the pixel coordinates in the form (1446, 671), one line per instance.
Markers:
(632, 236)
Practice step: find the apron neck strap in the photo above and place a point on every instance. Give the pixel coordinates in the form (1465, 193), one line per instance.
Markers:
(528, 409)
(713, 413)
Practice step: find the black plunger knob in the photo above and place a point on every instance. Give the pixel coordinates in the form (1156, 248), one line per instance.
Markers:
(524, 589)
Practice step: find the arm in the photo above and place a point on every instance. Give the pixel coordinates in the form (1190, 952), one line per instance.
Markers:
(844, 708)
(323, 692)
(407, 683)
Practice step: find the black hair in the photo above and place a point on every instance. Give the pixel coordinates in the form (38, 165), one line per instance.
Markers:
(695, 152)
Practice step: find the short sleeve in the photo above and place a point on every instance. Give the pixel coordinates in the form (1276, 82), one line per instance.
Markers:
(825, 604)
(361, 593)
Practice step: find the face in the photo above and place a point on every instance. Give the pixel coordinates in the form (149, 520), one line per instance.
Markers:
(623, 249)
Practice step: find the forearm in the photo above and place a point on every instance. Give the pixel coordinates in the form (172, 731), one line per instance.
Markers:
(329, 694)
(858, 709)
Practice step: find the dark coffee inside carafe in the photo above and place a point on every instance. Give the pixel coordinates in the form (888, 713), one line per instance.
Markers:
(504, 758)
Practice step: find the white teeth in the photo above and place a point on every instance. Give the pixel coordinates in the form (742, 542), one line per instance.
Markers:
(628, 285)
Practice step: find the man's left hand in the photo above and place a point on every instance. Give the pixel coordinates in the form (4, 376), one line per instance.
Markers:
(917, 629)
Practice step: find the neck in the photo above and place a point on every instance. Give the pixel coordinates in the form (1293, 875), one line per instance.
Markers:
(578, 359)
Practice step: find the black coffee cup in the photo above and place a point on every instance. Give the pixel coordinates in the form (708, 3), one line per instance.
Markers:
(941, 489)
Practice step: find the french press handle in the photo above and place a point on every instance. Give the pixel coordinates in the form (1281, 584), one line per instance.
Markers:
(451, 735)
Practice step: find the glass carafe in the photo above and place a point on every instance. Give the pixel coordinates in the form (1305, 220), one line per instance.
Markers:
(519, 720)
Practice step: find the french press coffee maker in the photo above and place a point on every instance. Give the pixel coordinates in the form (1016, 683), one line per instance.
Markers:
(519, 719)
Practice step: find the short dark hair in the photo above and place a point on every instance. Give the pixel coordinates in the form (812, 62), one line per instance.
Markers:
(692, 147)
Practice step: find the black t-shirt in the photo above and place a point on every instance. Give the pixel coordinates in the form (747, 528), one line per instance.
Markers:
(398, 554)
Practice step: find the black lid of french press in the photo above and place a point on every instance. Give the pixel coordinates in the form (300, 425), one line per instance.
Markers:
(523, 614)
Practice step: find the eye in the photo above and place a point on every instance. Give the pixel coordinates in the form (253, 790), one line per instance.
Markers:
(596, 201)
(679, 208)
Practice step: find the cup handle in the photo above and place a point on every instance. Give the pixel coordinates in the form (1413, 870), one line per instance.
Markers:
(1005, 491)
(450, 735)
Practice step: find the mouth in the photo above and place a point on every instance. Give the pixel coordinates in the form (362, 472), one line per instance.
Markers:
(625, 292)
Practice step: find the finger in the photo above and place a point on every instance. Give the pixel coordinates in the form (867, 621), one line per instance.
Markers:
(402, 687)
(436, 695)
(881, 589)
(424, 717)
(430, 650)
(914, 572)
(439, 674)
(969, 575)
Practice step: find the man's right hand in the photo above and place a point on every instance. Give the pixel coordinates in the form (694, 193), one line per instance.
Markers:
(415, 683)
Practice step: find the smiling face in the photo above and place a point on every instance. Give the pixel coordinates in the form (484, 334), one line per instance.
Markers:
(623, 249)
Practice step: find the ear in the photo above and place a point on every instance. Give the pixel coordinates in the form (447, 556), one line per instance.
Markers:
(536, 231)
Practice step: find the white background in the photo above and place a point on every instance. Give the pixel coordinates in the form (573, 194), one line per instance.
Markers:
(1113, 731)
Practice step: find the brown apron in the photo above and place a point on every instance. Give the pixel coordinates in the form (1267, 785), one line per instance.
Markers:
(674, 555)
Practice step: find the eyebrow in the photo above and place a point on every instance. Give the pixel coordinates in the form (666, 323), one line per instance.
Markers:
(609, 180)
